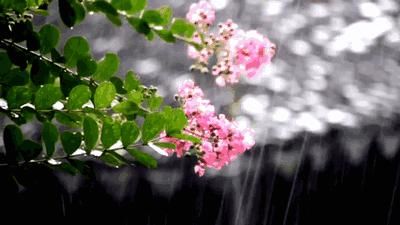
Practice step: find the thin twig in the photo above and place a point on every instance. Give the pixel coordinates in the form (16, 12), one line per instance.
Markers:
(41, 160)
(7, 43)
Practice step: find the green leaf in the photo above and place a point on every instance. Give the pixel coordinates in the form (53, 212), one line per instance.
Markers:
(66, 167)
(86, 66)
(143, 158)
(155, 102)
(105, 7)
(12, 137)
(175, 120)
(49, 37)
(56, 56)
(49, 137)
(75, 48)
(18, 120)
(129, 133)
(45, 116)
(182, 28)
(130, 6)
(40, 12)
(80, 11)
(126, 108)
(17, 96)
(98, 113)
(21, 30)
(107, 67)
(20, 27)
(70, 141)
(124, 5)
(104, 95)
(5, 63)
(150, 36)
(78, 96)
(166, 14)
(138, 5)
(112, 159)
(153, 17)
(71, 12)
(110, 133)
(135, 96)
(131, 81)
(30, 149)
(166, 35)
(74, 166)
(18, 6)
(82, 166)
(15, 77)
(28, 113)
(40, 72)
(118, 83)
(33, 41)
(17, 57)
(69, 119)
(5, 31)
(90, 133)
(165, 145)
(153, 124)
(110, 12)
(186, 137)
(67, 12)
(46, 96)
(68, 81)
(18, 77)
(141, 26)
(196, 45)
(114, 19)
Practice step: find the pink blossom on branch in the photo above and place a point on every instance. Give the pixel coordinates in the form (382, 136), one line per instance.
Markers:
(238, 52)
(250, 50)
(222, 140)
(203, 55)
(201, 13)
(226, 30)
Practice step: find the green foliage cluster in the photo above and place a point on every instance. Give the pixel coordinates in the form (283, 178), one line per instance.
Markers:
(98, 108)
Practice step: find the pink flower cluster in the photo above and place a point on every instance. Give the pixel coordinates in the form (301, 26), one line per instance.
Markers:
(221, 140)
(238, 52)
(202, 14)
(204, 54)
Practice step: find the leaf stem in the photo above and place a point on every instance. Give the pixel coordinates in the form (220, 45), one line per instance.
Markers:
(9, 44)
(55, 110)
(41, 160)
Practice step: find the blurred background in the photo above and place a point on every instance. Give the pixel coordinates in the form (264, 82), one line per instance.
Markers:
(325, 112)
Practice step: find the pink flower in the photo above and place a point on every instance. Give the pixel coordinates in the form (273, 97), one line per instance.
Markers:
(220, 81)
(189, 90)
(201, 56)
(226, 30)
(221, 139)
(181, 146)
(201, 13)
(199, 170)
(238, 52)
(250, 50)
(227, 72)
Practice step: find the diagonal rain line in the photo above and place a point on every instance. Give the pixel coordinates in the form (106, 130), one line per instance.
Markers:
(396, 184)
(302, 153)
